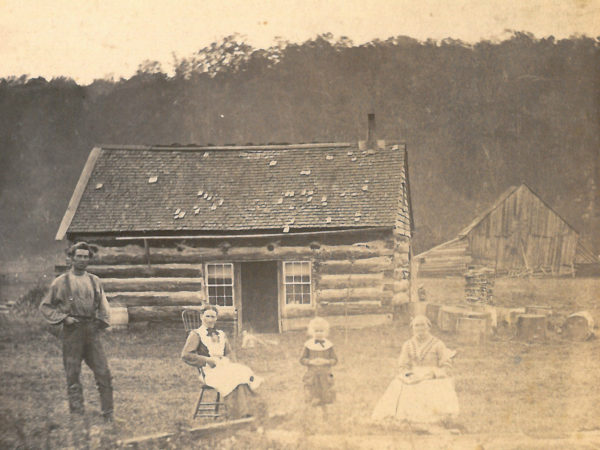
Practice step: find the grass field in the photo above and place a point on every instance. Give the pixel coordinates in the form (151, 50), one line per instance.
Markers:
(565, 295)
(504, 387)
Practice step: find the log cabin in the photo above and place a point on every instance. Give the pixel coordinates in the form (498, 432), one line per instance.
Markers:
(518, 235)
(274, 234)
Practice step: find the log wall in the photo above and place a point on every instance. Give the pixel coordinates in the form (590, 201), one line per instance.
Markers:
(352, 273)
(449, 259)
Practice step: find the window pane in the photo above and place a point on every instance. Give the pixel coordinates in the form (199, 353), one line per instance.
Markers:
(297, 282)
(292, 268)
(219, 283)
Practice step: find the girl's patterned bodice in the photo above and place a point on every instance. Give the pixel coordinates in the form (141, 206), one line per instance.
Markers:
(431, 353)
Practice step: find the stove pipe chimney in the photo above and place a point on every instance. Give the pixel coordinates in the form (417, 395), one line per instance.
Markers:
(371, 138)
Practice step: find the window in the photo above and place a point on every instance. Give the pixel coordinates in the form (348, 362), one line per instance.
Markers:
(219, 284)
(297, 282)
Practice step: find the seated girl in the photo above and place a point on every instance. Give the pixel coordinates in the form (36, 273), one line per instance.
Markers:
(423, 392)
(208, 349)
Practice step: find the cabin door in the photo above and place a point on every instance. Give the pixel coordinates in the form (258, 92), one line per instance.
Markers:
(259, 296)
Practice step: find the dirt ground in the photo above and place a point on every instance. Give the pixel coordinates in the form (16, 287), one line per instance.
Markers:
(512, 394)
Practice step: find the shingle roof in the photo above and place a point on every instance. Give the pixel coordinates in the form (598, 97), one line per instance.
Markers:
(241, 188)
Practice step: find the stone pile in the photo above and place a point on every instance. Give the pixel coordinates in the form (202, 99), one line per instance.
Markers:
(479, 285)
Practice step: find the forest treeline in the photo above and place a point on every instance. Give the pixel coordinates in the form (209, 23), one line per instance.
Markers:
(476, 119)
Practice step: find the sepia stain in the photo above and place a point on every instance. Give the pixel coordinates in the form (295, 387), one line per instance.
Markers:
(581, 4)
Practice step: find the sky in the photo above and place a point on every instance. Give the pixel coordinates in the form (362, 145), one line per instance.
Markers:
(89, 39)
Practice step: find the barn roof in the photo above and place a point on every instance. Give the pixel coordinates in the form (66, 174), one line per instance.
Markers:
(583, 254)
(505, 195)
(511, 190)
(240, 188)
(439, 246)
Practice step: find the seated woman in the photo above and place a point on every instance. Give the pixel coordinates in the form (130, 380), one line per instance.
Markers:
(423, 392)
(209, 349)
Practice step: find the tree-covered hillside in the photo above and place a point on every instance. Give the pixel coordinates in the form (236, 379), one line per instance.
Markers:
(476, 119)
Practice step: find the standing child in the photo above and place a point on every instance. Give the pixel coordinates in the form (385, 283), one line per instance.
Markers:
(319, 357)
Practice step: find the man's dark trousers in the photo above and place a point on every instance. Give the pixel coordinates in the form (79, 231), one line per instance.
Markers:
(81, 342)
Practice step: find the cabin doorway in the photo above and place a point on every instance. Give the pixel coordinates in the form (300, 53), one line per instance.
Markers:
(259, 296)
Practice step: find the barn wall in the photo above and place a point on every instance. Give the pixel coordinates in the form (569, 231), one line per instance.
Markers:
(449, 259)
(586, 263)
(352, 273)
(523, 234)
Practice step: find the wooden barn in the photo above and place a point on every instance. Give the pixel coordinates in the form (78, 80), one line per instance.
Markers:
(520, 234)
(274, 233)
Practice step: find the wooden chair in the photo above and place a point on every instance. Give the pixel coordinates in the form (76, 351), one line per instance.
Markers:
(191, 320)
(208, 408)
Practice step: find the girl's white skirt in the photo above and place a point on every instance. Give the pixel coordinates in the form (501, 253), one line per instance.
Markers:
(429, 401)
(227, 375)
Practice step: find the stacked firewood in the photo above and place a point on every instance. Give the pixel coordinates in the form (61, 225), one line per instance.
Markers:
(479, 285)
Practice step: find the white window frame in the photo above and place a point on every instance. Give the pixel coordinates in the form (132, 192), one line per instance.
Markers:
(285, 286)
(232, 285)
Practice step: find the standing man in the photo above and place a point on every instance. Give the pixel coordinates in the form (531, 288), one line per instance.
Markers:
(77, 301)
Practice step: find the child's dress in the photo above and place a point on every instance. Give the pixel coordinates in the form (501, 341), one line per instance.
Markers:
(318, 380)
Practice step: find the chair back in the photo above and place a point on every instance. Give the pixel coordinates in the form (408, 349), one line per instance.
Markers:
(192, 319)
